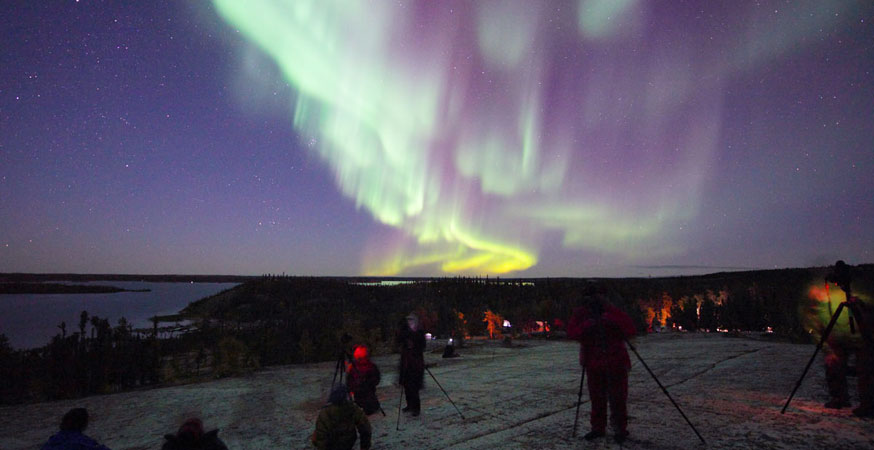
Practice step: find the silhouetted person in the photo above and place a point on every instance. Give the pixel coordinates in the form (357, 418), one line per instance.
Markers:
(411, 341)
(191, 437)
(362, 379)
(602, 329)
(841, 344)
(340, 422)
(71, 436)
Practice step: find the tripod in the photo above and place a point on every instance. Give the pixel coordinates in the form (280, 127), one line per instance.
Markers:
(665, 391)
(828, 329)
(339, 369)
(342, 356)
(579, 400)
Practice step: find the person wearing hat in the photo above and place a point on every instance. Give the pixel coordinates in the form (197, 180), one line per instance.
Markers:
(71, 436)
(362, 379)
(602, 329)
(411, 341)
(340, 422)
(191, 437)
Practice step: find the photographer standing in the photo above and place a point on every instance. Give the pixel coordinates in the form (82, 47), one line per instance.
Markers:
(855, 335)
(411, 341)
(602, 329)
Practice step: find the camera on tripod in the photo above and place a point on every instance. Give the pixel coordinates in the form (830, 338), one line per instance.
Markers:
(840, 275)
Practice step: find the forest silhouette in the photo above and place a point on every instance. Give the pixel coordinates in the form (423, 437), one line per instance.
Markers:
(274, 320)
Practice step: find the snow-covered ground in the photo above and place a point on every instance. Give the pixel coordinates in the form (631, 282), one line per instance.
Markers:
(521, 397)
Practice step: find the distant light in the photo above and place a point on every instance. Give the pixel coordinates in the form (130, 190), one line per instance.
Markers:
(506, 323)
(428, 336)
(451, 341)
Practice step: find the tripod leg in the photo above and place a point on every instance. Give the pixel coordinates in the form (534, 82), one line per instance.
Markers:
(579, 400)
(400, 401)
(336, 371)
(445, 393)
(825, 334)
(665, 391)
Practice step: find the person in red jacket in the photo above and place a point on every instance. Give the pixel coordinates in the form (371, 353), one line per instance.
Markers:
(362, 379)
(602, 329)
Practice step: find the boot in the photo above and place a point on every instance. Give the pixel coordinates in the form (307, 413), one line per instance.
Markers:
(592, 435)
(620, 437)
(837, 403)
(864, 411)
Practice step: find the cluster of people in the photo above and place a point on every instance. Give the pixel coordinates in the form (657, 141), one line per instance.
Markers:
(344, 418)
(340, 422)
(191, 435)
(602, 331)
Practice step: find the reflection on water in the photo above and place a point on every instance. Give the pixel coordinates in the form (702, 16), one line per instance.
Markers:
(30, 320)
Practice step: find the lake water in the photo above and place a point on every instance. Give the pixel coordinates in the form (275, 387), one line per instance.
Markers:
(30, 320)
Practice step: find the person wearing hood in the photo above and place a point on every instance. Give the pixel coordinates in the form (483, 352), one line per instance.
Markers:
(411, 341)
(601, 329)
(191, 437)
(362, 379)
(71, 436)
(340, 422)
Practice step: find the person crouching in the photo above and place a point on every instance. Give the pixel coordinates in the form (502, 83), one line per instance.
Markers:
(72, 433)
(191, 437)
(338, 422)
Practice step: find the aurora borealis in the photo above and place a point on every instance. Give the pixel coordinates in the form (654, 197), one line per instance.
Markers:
(345, 137)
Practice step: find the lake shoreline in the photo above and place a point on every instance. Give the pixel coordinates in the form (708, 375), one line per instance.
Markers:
(55, 288)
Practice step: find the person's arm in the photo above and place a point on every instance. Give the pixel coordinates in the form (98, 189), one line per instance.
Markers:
(320, 436)
(213, 439)
(375, 377)
(579, 324)
(420, 341)
(363, 426)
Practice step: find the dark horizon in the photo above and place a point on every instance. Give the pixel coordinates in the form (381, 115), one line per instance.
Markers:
(30, 276)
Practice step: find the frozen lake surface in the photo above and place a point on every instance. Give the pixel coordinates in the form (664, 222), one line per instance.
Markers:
(522, 397)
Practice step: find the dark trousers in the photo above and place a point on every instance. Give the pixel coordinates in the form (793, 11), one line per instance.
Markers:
(412, 394)
(865, 372)
(608, 387)
(836, 373)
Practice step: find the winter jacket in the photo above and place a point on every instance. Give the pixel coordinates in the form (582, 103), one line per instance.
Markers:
(412, 366)
(362, 381)
(72, 440)
(337, 425)
(602, 339)
(842, 335)
(209, 441)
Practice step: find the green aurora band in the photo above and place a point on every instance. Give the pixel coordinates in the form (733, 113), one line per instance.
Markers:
(464, 126)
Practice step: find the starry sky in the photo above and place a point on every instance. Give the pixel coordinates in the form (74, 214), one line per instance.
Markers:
(431, 138)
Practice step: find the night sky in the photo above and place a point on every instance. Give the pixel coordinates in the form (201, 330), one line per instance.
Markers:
(514, 138)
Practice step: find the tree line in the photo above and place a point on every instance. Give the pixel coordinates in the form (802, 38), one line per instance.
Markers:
(281, 320)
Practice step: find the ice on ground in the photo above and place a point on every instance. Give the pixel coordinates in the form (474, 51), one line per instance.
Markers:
(732, 389)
